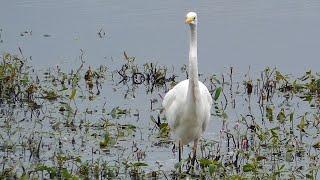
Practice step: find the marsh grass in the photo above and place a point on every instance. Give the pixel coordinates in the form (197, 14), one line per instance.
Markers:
(57, 125)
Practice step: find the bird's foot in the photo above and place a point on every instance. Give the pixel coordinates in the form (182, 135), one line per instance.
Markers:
(192, 162)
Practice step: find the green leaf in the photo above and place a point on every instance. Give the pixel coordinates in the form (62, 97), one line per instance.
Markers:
(318, 83)
(237, 177)
(279, 76)
(129, 126)
(24, 177)
(281, 167)
(107, 141)
(139, 164)
(51, 170)
(269, 113)
(248, 167)
(164, 130)
(117, 112)
(291, 117)
(281, 116)
(65, 174)
(212, 168)
(259, 158)
(217, 93)
(77, 159)
(73, 93)
(50, 95)
(302, 124)
(205, 162)
(309, 176)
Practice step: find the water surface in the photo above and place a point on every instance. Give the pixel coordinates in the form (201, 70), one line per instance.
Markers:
(231, 33)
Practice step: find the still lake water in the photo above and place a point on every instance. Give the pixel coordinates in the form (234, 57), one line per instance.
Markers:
(234, 33)
(231, 33)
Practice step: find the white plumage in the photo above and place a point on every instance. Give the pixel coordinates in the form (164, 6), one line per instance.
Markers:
(187, 105)
(187, 119)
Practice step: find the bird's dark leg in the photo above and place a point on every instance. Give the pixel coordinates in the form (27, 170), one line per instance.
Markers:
(180, 150)
(195, 144)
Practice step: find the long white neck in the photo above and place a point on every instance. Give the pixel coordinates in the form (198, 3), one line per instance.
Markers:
(193, 91)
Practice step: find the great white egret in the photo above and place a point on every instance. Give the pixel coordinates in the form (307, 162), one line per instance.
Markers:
(187, 105)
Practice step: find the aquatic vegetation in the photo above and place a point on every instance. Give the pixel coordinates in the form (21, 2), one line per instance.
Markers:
(107, 122)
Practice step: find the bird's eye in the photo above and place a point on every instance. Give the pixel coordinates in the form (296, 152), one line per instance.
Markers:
(194, 18)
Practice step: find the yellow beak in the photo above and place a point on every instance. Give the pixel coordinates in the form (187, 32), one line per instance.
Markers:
(189, 20)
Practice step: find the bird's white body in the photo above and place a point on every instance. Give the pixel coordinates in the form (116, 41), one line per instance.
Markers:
(187, 105)
(187, 120)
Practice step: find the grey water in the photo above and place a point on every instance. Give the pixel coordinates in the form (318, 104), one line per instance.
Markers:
(234, 33)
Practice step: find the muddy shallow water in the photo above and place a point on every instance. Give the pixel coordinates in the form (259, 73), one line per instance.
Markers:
(90, 122)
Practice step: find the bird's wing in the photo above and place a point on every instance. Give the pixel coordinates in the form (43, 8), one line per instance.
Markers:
(172, 103)
(206, 94)
(178, 91)
(204, 125)
(208, 103)
(168, 105)
(168, 99)
(209, 97)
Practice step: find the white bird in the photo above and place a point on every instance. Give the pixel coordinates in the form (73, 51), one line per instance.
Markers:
(187, 105)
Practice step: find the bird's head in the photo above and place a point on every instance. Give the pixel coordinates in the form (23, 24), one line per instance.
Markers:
(191, 18)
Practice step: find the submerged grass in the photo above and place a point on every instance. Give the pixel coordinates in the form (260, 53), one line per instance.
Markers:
(57, 124)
